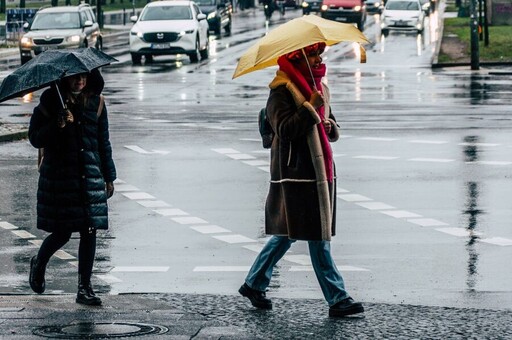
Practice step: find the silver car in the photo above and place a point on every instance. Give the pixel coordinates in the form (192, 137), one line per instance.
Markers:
(60, 27)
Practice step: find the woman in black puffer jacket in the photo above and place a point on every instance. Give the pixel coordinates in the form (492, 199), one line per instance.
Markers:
(76, 175)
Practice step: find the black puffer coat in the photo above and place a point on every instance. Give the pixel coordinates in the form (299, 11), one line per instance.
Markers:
(76, 165)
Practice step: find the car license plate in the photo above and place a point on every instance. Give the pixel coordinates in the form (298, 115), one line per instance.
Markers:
(159, 46)
(341, 19)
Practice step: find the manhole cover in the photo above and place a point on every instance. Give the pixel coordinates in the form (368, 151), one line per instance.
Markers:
(99, 330)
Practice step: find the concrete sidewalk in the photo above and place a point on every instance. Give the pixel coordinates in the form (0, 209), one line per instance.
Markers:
(179, 316)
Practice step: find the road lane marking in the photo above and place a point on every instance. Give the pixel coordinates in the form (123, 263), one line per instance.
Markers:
(139, 269)
(7, 225)
(122, 187)
(400, 213)
(140, 150)
(189, 220)
(375, 205)
(108, 278)
(427, 222)
(23, 234)
(420, 141)
(459, 232)
(221, 269)
(236, 238)
(382, 158)
(153, 204)
(434, 160)
(478, 144)
(257, 162)
(240, 156)
(340, 268)
(378, 139)
(170, 212)
(137, 195)
(354, 198)
(491, 162)
(210, 229)
(225, 151)
(61, 254)
(500, 241)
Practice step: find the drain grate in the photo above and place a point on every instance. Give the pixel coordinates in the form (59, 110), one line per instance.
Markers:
(99, 330)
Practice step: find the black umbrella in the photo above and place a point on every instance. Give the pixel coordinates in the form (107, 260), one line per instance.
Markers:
(48, 68)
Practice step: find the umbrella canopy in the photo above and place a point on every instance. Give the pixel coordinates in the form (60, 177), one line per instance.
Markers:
(293, 35)
(49, 67)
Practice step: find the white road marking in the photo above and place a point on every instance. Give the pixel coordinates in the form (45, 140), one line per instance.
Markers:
(188, 220)
(226, 151)
(341, 190)
(379, 139)
(340, 268)
(383, 158)
(419, 141)
(170, 212)
(264, 168)
(139, 269)
(153, 204)
(500, 241)
(210, 229)
(400, 213)
(491, 162)
(435, 160)
(222, 269)
(140, 150)
(7, 225)
(23, 234)
(257, 248)
(108, 278)
(459, 232)
(234, 238)
(304, 260)
(427, 222)
(61, 254)
(239, 156)
(375, 205)
(354, 198)
(125, 187)
(257, 162)
(478, 144)
(137, 195)
(36, 242)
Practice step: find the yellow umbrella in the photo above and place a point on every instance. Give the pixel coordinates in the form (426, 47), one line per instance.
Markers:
(293, 35)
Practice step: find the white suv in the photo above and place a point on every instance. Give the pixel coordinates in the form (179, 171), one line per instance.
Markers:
(169, 28)
(60, 27)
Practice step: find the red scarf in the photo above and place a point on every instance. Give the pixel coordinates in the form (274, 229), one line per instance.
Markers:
(302, 79)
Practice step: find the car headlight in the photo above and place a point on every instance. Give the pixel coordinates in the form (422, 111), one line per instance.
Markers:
(182, 33)
(73, 39)
(325, 7)
(305, 4)
(137, 33)
(357, 8)
(27, 42)
(377, 4)
(212, 15)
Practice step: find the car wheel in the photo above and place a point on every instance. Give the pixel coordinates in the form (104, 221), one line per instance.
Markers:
(99, 44)
(24, 60)
(136, 58)
(149, 58)
(205, 53)
(194, 57)
(385, 32)
(85, 44)
(360, 25)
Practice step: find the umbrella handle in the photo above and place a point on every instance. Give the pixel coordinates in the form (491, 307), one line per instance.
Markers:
(309, 68)
(56, 87)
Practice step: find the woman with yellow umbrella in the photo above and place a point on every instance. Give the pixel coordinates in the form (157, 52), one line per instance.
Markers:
(301, 203)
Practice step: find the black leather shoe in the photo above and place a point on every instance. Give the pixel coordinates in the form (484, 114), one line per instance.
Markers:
(346, 307)
(258, 298)
(36, 276)
(86, 296)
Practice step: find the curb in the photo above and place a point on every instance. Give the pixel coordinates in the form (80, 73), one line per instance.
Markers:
(10, 137)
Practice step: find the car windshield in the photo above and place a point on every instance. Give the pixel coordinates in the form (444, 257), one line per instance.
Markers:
(403, 5)
(205, 2)
(167, 13)
(45, 21)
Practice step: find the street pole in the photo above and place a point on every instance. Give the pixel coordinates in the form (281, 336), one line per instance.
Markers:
(473, 26)
(486, 25)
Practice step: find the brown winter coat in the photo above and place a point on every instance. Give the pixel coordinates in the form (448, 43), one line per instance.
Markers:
(301, 202)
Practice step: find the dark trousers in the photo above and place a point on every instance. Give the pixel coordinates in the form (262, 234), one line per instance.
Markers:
(86, 250)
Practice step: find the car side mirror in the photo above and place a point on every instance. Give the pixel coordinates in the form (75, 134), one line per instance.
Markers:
(88, 23)
(201, 16)
(26, 25)
(134, 18)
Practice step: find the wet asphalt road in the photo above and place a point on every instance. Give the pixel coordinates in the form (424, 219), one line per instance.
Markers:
(424, 167)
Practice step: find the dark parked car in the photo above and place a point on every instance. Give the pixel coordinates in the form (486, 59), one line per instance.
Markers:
(218, 14)
(311, 6)
(374, 6)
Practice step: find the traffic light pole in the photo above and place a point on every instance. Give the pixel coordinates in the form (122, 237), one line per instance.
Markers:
(473, 26)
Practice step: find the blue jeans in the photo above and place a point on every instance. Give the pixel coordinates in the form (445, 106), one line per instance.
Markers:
(326, 272)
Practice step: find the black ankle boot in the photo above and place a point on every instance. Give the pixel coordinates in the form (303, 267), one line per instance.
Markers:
(85, 295)
(36, 276)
